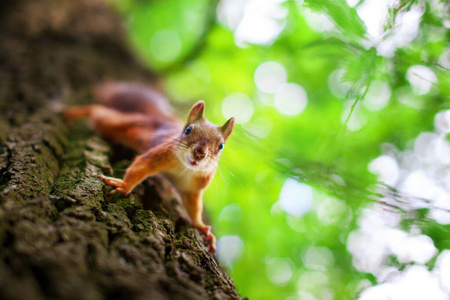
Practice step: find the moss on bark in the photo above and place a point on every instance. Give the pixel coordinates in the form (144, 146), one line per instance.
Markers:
(61, 235)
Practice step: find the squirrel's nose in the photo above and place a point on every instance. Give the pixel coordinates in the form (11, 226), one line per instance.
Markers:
(199, 152)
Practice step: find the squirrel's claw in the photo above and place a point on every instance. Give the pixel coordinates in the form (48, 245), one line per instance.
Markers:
(209, 238)
(120, 190)
(205, 229)
(119, 185)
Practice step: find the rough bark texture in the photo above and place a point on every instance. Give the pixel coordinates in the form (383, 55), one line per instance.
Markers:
(61, 235)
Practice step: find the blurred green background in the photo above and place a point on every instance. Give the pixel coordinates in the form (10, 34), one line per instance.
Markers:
(336, 181)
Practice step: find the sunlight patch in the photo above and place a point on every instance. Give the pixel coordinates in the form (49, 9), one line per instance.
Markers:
(239, 106)
(352, 3)
(318, 21)
(425, 144)
(443, 269)
(418, 249)
(337, 86)
(377, 96)
(230, 12)
(318, 258)
(291, 99)
(357, 119)
(253, 21)
(415, 283)
(311, 280)
(375, 15)
(419, 184)
(229, 248)
(270, 76)
(165, 45)
(295, 197)
(231, 213)
(444, 59)
(421, 79)
(442, 121)
(201, 69)
(386, 168)
(279, 270)
(333, 211)
(405, 30)
(260, 127)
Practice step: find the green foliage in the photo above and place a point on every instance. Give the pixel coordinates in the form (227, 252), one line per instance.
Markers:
(321, 146)
(345, 17)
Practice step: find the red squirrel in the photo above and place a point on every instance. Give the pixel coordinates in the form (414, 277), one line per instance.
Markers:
(141, 119)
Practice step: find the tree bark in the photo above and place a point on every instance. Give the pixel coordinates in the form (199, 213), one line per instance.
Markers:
(62, 236)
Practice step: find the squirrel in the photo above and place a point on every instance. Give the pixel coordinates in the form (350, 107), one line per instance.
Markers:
(140, 118)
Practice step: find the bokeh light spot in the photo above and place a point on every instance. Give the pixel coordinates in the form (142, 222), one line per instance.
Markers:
(230, 12)
(377, 96)
(201, 69)
(387, 169)
(443, 269)
(231, 213)
(357, 118)
(260, 127)
(254, 21)
(291, 99)
(165, 45)
(444, 59)
(421, 79)
(424, 145)
(373, 13)
(229, 248)
(331, 210)
(239, 106)
(270, 76)
(317, 21)
(318, 258)
(415, 283)
(279, 270)
(337, 86)
(442, 121)
(295, 197)
(352, 3)
(311, 280)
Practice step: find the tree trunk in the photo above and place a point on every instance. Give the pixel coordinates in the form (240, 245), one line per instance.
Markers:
(62, 236)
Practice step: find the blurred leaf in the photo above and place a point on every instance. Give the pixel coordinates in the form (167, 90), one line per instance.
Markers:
(344, 16)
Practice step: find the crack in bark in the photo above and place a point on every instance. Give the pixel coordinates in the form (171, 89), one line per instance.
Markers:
(62, 237)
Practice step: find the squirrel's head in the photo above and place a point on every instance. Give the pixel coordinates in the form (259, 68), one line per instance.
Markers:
(202, 142)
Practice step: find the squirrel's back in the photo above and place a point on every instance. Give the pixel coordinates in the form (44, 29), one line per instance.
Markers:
(133, 98)
(134, 115)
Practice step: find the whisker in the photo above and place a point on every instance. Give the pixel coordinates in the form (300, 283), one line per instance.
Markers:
(231, 173)
(184, 171)
(215, 186)
(227, 194)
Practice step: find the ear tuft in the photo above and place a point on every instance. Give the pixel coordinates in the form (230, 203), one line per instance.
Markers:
(197, 112)
(227, 128)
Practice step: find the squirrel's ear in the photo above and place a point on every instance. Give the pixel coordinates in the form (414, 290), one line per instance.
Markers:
(196, 112)
(227, 128)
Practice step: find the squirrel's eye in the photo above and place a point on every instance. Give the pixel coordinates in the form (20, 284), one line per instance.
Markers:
(187, 130)
(221, 146)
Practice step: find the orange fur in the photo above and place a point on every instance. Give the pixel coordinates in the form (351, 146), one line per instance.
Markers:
(140, 118)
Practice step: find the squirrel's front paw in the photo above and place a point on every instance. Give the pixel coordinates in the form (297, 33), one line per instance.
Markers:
(119, 184)
(212, 243)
